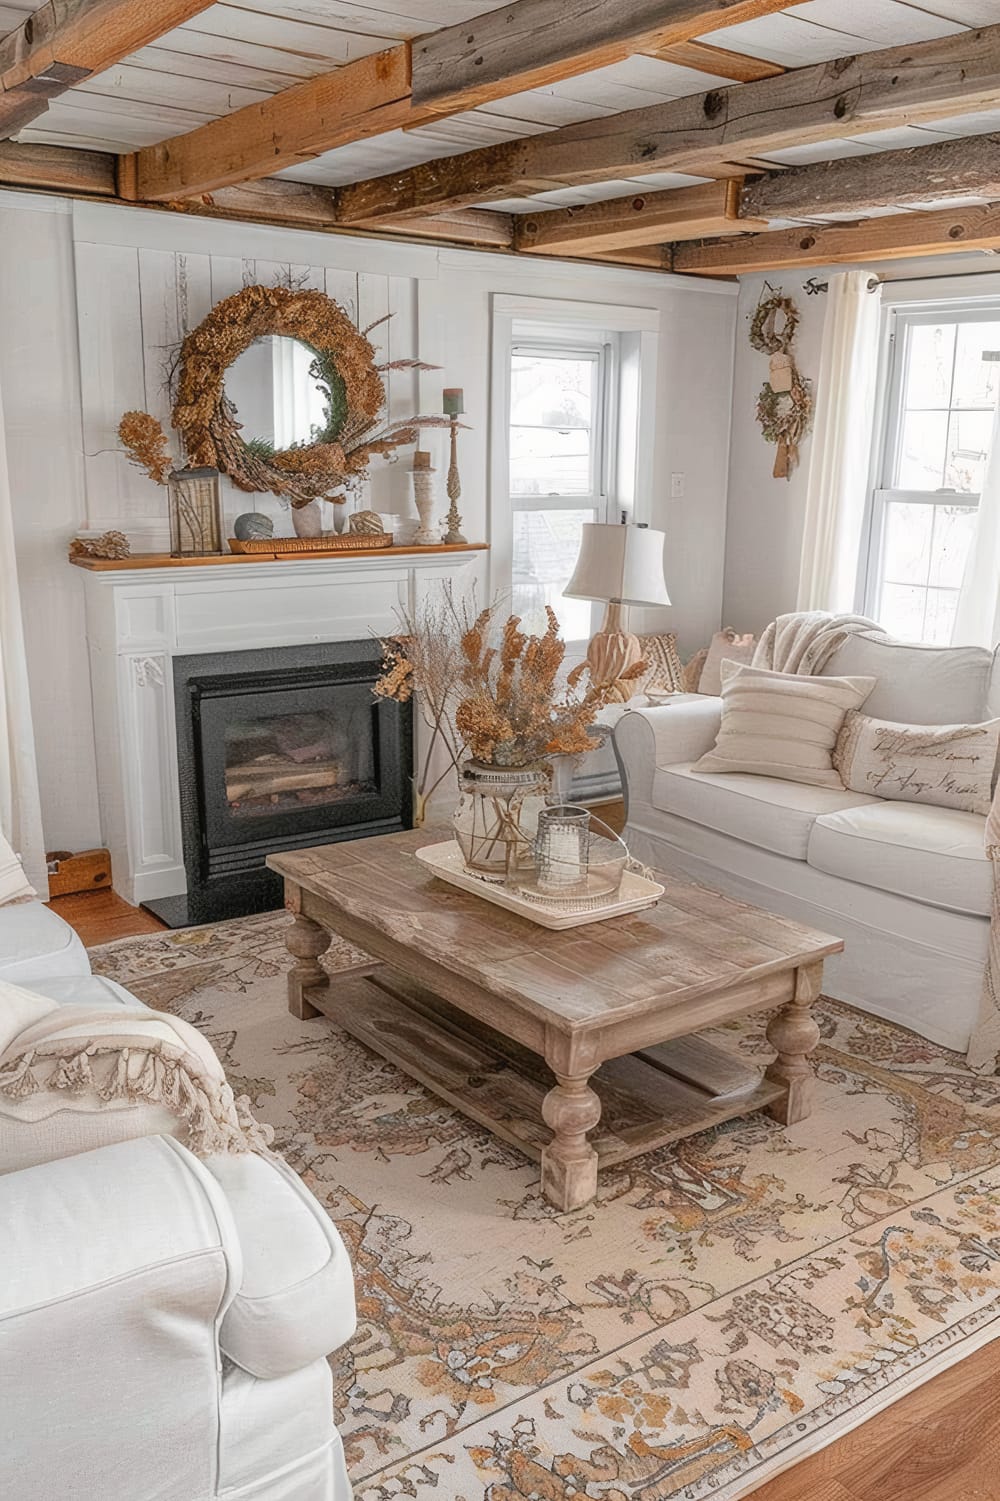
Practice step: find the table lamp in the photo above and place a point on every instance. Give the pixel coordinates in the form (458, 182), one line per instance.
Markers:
(623, 565)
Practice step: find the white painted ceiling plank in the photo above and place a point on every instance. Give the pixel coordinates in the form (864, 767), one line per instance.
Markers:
(887, 23)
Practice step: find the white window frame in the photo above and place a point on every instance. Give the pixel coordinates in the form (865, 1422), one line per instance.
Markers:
(603, 353)
(631, 337)
(898, 320)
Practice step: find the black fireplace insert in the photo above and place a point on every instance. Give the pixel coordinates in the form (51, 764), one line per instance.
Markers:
(280, 749)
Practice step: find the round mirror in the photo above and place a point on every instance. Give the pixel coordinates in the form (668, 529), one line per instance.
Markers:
(286, 395)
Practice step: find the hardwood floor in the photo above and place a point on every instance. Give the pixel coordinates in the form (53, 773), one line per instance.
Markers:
(941, 1443)
(100, 916)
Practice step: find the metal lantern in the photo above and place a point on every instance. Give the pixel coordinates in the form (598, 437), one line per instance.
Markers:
(195, 506)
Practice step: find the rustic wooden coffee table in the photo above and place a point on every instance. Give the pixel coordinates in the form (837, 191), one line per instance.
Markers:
(586, 1031)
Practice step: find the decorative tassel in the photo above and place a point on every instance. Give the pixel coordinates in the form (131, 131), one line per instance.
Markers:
(117, 1086)
(74, 1074)
(17, 1081)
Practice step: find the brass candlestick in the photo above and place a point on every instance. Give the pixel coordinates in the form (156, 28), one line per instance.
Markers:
(453, 408)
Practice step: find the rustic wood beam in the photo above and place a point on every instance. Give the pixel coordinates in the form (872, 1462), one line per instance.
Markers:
(704, 57)
(896, 236)
(708, 135)
(68, 40)
(57, 169)
(539, 42)
(495, 55)
(360, 99)
(710, 208)
(969, 166)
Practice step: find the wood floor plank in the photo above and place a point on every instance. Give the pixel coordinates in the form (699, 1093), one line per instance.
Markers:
(102, 916)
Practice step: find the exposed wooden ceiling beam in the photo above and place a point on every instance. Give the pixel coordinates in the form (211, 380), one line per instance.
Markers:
(68, 40)
(708, 135)
(360, 99)
(456, 68)
(57, 169)
(896, 236)
(719, 61)
(858, 185)
(539, 42)
(709, 208)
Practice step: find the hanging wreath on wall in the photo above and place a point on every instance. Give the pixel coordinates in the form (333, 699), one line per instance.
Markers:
(343, 368)
(785, 404)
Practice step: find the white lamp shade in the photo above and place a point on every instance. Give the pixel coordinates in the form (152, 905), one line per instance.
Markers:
(619, 562)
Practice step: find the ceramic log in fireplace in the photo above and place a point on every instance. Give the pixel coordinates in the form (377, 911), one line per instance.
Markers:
(277, 750)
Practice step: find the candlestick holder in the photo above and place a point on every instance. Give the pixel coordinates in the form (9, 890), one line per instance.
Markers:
(453, 408)
(423, 494)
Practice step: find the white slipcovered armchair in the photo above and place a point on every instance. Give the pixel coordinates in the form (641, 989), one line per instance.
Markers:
(165, 1318)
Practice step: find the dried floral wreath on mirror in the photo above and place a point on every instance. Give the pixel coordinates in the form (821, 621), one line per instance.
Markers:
(343, 368)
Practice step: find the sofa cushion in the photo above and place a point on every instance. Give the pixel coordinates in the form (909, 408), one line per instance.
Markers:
(932, 855)
(296, 1298)
(919, 684)
(763, 811)
(947, 765)
(35, 942)
(782, 724)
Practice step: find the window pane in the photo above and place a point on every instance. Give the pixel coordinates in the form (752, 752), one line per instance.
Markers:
(550, 461)
(902, 611)
(930, 355)
(908, 532)
(940, 616)
(546, 546)
(953, 531)
(552, 407)
(923, 441)
(968, 444)
(976, 379)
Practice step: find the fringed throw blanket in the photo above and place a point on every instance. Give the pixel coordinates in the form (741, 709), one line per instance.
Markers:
(55, 1058)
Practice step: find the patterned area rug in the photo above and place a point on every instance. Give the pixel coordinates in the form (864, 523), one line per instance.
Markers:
(727, 1306)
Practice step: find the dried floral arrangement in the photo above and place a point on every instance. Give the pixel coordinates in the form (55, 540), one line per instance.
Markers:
(107, 545)
(345, 370)
(785, 404)
(488, 689)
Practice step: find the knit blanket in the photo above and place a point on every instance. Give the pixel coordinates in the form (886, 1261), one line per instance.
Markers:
(806, 640)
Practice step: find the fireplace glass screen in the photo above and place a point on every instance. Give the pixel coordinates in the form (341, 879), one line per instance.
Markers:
(284, 762)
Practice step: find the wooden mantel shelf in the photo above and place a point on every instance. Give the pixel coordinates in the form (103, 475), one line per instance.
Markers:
(164, 560)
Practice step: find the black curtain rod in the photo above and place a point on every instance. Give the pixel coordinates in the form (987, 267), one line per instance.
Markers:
(812, 287)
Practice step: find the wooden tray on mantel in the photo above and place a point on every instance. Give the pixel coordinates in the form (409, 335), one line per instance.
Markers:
(245, 559)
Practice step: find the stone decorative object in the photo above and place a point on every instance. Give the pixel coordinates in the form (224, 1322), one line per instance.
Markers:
(555, 994)
(252, 526)
(423, 494)
(454, 406)
(108, 545)
(366, 523)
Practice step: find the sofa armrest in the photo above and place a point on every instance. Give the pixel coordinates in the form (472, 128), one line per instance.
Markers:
(645, 739)
(295, 1303)
(118, 1266)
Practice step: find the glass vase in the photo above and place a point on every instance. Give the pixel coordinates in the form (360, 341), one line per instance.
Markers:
(496, 820)
(195, 507)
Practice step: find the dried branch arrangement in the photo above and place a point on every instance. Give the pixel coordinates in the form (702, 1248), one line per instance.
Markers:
(346, 373)
(488, 689)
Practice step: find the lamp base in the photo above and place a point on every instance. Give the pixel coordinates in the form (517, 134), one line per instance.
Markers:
(613, 650)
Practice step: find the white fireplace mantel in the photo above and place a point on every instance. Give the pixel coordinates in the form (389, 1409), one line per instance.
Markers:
(139, 619)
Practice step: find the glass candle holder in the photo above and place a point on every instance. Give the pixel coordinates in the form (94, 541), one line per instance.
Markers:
(195, 507)
(562, 849)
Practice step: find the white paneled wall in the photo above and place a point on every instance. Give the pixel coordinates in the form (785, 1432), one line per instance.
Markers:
(94, 299)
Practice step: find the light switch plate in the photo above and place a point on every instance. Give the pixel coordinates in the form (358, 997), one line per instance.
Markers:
(677, 486)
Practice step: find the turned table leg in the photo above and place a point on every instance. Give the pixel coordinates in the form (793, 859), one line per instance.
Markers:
(305, 940)
(794, 1033)
(569, 1162)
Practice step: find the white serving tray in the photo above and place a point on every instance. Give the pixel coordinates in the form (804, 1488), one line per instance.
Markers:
(445, 861)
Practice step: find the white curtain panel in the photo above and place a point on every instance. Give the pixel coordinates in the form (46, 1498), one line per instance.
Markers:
(841, 444)
(977, 618)
(20, 805)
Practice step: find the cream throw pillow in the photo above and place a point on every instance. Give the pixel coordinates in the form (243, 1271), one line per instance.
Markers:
(948, 765)
(14, 886)
(781, 724)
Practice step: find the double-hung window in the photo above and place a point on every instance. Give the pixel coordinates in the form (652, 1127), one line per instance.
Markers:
(940, 405)
(559, 439)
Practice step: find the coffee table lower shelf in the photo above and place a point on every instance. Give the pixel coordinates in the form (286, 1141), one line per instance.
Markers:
(648, 1099)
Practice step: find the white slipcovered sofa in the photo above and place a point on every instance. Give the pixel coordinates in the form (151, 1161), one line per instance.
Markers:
(164, 1319)
(906, 885)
